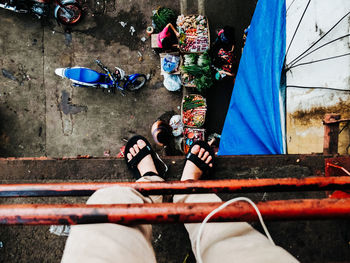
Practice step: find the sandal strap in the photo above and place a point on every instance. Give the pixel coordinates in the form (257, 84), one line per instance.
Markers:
(150, 174)
(197, 161)
(139, 156)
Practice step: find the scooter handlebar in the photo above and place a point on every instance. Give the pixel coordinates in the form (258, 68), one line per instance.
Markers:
(99, 63)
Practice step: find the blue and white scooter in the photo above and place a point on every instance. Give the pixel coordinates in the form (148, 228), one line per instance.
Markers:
(85, 77)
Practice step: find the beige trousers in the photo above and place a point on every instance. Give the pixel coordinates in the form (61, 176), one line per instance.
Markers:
(220, 242)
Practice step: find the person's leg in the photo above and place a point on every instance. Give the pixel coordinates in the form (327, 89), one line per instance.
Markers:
(227, 242)
(112, 242)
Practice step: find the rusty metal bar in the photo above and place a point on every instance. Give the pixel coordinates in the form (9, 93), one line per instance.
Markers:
(337, 166)
(37, 214)
(181, 187)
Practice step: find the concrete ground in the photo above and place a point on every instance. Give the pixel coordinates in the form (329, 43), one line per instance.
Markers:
(42, 115)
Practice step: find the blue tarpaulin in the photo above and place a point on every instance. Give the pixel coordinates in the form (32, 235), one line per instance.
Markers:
(253, 121)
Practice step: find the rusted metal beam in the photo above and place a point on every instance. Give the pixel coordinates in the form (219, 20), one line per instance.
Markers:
(37, 214)
(108, 168)
(181, 187)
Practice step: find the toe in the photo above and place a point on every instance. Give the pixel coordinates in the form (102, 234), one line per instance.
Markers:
(208, 160)
(201, 152)
(132, 151)
(195, 149)
(141, 144)
(205, 156)
(129, 156)
(136, 148)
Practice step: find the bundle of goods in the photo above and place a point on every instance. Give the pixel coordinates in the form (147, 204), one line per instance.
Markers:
(161, 17)
(192, 135)
(170, 63)
(194, 109)
(196, 71)
(194, 33)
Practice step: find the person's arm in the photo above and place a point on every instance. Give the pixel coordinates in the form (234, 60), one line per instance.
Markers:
(223, 72)
(173, 28)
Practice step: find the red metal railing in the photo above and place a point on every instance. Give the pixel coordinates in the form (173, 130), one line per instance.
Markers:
(30, 214)
(181, 187)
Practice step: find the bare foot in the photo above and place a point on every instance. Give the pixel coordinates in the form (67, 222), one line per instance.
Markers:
(146, 164)
(191, 171)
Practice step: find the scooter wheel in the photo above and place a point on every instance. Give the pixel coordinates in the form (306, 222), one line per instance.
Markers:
(74, 15)
(136, 83)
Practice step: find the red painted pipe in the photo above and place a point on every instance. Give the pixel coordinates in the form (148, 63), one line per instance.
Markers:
(36, 214)
(181, 187)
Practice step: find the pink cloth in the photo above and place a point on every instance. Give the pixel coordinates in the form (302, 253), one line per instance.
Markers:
(162, 35)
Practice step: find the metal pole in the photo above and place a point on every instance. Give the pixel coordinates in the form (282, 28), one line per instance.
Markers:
(181, 187)
(331, 133)
(302, 209)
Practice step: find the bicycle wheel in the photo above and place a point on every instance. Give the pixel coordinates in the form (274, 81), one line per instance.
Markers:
(136, 83)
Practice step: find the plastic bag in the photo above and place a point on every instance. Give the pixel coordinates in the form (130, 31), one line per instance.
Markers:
(170, 63)
(172, 82)
(177, 125)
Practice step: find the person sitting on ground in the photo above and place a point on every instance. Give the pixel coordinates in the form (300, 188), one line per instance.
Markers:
(225, 40)
(168, 37)
(227, 63)
(220, 242)
(223, 53)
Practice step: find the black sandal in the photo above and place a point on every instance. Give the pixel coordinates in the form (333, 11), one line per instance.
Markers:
(132, 164)
(204, 167)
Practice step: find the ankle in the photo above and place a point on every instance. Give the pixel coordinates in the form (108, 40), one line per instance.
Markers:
(191, 176)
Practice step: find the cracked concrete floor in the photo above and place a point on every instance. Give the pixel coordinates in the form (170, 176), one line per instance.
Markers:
(43, 115)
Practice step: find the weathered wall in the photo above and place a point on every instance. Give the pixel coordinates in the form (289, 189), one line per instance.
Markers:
(306, 107)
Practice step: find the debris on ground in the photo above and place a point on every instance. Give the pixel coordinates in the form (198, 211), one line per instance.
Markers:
(68, 37)
(84, 156)
(61, 230)
(8, 74)
(132, 30)
(123, 24)
(140, 56)
(121, 152)
(107, 153)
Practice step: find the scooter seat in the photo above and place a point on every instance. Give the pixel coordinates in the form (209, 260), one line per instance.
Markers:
(82, 74)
